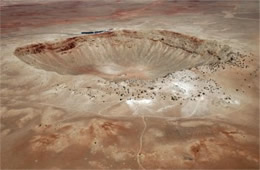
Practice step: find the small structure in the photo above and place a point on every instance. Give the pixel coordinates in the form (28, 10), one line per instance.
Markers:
(96, 32)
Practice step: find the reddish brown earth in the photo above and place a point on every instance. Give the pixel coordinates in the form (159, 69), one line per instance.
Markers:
(17, 16)
(61, 110)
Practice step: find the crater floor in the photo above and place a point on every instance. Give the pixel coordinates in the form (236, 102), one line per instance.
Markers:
(174, 84)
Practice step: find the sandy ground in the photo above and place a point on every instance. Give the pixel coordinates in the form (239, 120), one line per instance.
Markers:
(201, 118)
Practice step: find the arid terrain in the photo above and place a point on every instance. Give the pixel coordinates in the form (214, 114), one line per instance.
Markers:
(165, 84)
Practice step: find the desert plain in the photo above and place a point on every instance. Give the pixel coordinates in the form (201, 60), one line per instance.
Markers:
(169, 84)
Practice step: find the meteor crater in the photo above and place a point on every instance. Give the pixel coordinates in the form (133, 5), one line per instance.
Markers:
(125, 54)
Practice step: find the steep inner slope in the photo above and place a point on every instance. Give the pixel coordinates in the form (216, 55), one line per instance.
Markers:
(125, 54)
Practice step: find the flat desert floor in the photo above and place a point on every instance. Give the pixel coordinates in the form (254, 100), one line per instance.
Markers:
(169, 84)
